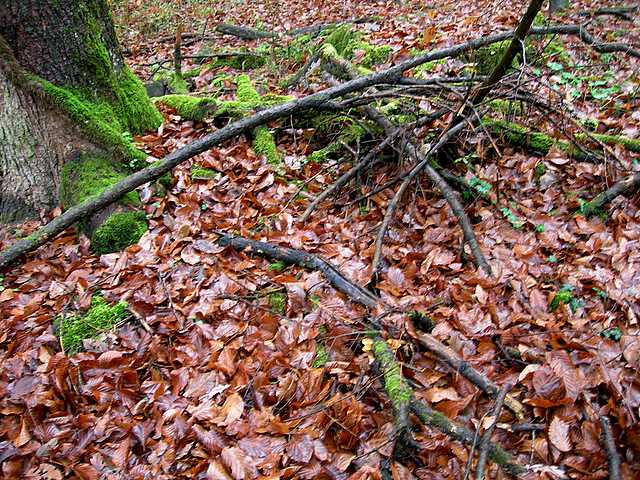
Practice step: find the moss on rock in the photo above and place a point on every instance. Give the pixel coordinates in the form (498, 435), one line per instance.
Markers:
(100, 318)
(119, 231)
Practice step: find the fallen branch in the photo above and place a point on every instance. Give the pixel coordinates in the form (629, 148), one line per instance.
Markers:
(394, 381)
(451, 358)
(316, 100)
(246, 33)
(412, 152)
(610, 447)
(628, 184)
(485, 443)
(622, 12)
(437, 420)
(371, 301)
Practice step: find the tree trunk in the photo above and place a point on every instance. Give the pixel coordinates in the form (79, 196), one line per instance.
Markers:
(66, 95)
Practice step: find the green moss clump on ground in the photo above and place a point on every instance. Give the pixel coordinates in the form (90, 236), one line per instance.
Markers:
(278, 302)
(119, 231)
(200, 173)
(178, 85)
(322, 356)
(100, 318)
(394, 383)
(89, 176)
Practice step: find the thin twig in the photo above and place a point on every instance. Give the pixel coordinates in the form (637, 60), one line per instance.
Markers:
(485, 443)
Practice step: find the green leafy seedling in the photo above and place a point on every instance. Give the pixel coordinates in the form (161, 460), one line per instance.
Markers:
(515, 221)
(613, 333)
(563, 297)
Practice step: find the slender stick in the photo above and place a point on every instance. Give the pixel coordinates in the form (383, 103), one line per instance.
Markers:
(610, 447)
(485, 443)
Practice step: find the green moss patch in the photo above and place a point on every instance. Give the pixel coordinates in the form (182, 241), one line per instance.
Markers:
(190, 108)
(119, 231)
(100, 318)
(322, 356)
(539, 142)
(200, 173)
(278, 302)
(97, 119)
(89, 176)
(395, 385)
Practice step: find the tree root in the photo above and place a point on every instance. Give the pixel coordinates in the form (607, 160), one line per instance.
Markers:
(412, 152)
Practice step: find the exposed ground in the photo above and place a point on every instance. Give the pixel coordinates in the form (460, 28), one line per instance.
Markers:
(234, 366)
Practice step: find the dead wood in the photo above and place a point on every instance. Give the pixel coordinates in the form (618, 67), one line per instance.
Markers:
(246, 33)
(316, 100)
(624, 186)
(362, 296)
(486, 437)
(437, 420)
(610, 447)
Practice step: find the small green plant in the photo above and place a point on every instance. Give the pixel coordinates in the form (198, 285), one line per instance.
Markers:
(515, 221)
(552, 259)
(613, 333)
(601, 294)
(100, 318)
(565, 297)
(278, 302)
(540, 228)
(1, 283)
(541, 169)
(480, 186)
(322, 356)
(277, 266)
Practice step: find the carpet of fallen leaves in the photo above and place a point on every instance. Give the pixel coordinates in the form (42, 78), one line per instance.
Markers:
(207, 380)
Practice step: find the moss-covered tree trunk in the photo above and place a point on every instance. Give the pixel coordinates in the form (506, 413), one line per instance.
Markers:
(67, 98)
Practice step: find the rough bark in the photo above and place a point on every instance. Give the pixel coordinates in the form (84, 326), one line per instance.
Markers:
(35, 140)
(52, 38)
(65, 93)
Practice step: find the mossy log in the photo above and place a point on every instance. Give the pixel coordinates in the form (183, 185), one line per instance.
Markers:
(519, 136)
(115, 227)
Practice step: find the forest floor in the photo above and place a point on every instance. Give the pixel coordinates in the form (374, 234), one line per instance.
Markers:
(234, 366)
